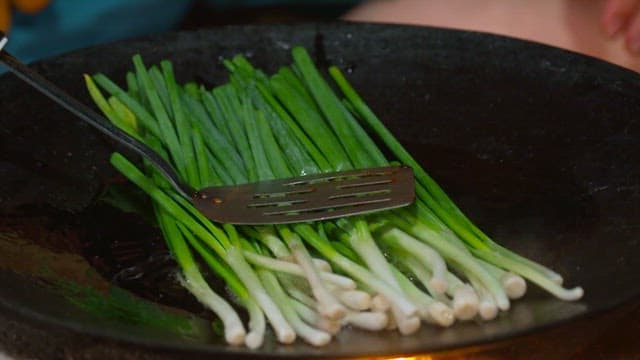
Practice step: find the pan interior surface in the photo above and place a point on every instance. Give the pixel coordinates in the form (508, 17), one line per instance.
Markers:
(537, 145)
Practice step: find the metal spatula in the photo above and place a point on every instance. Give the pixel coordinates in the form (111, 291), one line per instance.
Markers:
(305, 198)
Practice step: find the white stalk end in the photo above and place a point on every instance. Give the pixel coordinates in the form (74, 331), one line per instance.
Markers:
(465, 303)
(441, 314)
(254, 340)
(313, 336)
(234, 335)
(330, 326)
(391, 321)
(379, 303)
(332, 309)
(257, 326)
(569, 294)
(285, 334)
(487, 309)
(503, 304)
(438, 284)
(355, 299)
(368, 320)
(407, 324)
(514, 285)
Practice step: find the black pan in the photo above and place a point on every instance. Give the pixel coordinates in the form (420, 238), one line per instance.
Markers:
(539, 146)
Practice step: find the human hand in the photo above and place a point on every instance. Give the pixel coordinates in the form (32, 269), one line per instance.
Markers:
(622, 17)
(25, 6)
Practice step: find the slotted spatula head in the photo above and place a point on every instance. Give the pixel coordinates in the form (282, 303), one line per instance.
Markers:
(310, 197)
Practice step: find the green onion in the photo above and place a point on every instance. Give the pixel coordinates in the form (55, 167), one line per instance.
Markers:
(427, 263)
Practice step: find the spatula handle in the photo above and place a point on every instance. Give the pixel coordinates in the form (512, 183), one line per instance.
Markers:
(87, 114)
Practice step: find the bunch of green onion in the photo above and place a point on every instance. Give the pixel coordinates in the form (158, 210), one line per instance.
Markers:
(397, 269)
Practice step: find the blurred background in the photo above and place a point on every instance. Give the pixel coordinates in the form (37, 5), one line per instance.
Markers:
(607, 29)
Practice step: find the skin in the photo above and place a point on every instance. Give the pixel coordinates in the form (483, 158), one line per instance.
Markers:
(607, 29)
(622, 18)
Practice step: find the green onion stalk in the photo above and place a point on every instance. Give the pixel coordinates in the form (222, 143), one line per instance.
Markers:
(211, 241)
(427, 263)
(444, 211)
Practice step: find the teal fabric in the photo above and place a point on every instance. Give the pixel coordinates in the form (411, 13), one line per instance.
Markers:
(71, 24)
